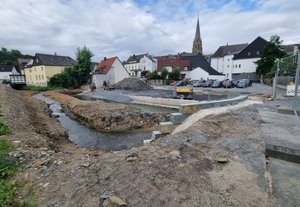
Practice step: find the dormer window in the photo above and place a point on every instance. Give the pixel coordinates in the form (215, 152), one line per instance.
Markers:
(249, 53)
(257, 52)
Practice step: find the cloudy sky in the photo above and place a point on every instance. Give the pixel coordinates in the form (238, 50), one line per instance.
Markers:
(125, 27)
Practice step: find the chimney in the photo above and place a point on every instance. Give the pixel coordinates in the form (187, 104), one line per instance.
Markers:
(55, 54)
(105, 59)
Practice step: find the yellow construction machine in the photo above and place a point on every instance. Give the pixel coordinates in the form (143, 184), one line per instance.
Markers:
(183, 93)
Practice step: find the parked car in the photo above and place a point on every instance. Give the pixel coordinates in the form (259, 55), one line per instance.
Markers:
(227, 84)
(243, 83)
(208, 83)
(234, 82)
(199, 83)
(216, 84)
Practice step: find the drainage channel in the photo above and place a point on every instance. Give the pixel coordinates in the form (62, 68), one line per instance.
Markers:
(89, 138)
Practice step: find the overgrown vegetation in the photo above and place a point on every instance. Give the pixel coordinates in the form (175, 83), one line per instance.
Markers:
(4, 130)
(165, 75)
(41, 88)
(8, 167)
(272, 51)
(11, 57)
(77, 75)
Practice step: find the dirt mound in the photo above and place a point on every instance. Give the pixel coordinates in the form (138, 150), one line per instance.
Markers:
(132, 84)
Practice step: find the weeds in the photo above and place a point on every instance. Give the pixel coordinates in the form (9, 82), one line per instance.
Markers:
(8, 167)
(4, 130)
(41, 88)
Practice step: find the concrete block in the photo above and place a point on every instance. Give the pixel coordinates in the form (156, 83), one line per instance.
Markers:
(147, 141)
(189, 108)
(283, 153)
(177, 118)
(155, 135)
(166, 127)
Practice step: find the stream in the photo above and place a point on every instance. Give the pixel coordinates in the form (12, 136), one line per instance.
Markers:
(89, 138)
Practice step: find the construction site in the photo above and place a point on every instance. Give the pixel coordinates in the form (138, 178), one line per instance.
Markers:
(140, 146)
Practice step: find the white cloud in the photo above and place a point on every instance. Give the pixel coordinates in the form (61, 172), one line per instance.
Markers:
(122, 28)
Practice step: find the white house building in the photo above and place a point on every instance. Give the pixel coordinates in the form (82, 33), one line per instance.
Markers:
(221, 60)
(110, 70)
(5, 71)
(243, 63)
(139, 63)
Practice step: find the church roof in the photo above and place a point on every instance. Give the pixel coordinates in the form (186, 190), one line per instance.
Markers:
(229, 50)
(197, 34)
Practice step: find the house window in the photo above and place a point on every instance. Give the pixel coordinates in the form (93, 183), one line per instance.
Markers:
(36, 77)
(42, 67)
(34, 68)
(30, 70)
(249, 53)
(42, 77)
(228, 60)
(239, 65)
(39, 77)
(227, 66)
(257, 52)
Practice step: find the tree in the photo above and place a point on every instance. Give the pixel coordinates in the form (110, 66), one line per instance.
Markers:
(164, 73)
(77, 75)
(11, 57)
(271, 51)
(175, 74)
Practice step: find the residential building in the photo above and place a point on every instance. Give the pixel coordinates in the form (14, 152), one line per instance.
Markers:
(187, 63)
(291, 49)
(222, 59)
(197, 43)
(39, 71)
(22, 62)
(200, 68)
(110, 70)
(136, 64)
(243, 63)
(5, 71)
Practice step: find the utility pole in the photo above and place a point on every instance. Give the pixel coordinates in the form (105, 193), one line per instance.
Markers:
(275, 78)
(297, 75)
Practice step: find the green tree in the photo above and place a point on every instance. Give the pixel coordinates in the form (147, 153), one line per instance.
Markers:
(11, 57)
(271, 51)
(77, 75)
(175, 74)
(164, 73)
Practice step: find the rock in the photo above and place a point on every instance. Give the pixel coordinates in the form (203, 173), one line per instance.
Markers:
(59, 162)
(117, 201)
(222, 160)
(45, 185)
(85, 164)
(131, 159)
(105, 195)
(175, 153)
(18, 155)
(148, 141)
(105, 203)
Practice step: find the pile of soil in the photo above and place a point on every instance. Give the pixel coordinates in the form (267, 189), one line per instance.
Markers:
(132, 84)
(108, 117)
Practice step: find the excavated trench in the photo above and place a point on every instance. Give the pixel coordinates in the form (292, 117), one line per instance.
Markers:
(86, 137)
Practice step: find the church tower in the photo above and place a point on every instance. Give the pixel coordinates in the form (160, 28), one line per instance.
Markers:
(197, 44)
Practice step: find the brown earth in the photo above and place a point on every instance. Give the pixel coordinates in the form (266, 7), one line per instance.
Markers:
(108, 117)
(173, 171)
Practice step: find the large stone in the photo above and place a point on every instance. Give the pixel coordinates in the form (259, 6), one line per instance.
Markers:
(177, 118)
(189, 108)
(166, 127)
(155, 135)
(117, 201)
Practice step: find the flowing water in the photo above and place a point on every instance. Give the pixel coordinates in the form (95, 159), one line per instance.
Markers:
(89, 138)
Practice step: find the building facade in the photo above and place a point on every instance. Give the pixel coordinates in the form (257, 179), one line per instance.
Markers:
(136, 64)
(6, 71)
(110, 70)
(44, 66)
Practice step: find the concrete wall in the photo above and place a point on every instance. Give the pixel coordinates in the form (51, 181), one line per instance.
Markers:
(217, 64)
(120, 72)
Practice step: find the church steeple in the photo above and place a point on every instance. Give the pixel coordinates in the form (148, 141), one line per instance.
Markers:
(197, 44)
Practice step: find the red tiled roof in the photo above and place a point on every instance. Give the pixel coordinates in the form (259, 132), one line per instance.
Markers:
(104, 66)
(172, 62)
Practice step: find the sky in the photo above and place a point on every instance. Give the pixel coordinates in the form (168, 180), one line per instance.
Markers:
(158, 27)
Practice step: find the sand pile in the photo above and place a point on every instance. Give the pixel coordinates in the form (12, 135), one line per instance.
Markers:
(132, 84)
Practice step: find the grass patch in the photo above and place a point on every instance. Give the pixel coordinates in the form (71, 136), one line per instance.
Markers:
(4, 130)
(8, 167)
(41, 88)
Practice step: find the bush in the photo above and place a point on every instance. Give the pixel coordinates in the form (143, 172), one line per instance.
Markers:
(7, 194)
(4, 129)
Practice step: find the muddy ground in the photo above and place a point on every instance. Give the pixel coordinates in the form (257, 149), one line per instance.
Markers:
(108, 117)
(218, 161)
